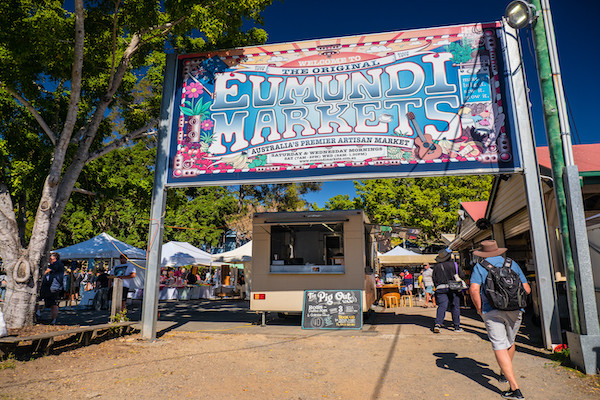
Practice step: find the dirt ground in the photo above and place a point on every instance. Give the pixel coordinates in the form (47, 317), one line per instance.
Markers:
(396, 356)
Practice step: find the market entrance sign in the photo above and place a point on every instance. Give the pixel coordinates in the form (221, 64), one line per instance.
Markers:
(441, 101)
(398, 104)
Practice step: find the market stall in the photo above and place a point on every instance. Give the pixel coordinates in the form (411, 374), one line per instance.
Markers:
(237, 259)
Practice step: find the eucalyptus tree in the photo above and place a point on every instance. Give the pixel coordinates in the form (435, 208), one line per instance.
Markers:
(427, 203)
(62, 73)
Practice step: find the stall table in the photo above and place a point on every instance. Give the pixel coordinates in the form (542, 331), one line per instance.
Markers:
(87, 299)
(167, 293)
(385, 289)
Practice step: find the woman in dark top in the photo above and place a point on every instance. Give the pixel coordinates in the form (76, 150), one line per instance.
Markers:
(52, 285)
(443, 272)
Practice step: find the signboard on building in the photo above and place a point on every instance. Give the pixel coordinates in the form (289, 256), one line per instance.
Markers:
(397, 104)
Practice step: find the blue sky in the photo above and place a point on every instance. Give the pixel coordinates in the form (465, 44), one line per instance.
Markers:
(294, 20)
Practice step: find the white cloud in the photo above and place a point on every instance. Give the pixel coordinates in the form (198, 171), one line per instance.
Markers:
(378, 49)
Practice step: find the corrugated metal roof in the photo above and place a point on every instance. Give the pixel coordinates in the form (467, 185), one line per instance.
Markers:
(475, 209)
(510, 198)
(585, 155)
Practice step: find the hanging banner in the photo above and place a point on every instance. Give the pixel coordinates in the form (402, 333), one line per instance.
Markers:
(397, 104)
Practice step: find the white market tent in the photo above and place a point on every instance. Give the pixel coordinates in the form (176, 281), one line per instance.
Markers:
(401, 256)
(105, 246)
(242, 254)
(101, 246)
(178, 254)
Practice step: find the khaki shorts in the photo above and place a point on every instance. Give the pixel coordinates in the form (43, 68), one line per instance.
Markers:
(502, 327)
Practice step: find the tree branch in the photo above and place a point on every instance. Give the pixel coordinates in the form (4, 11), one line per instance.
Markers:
(76, 74)
(114, 43)
(84, 191)
(9, 229)
(143, 131)
(168, 26)
(164, 29)
(33, 111)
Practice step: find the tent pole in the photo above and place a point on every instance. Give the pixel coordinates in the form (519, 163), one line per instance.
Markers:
(159, 198)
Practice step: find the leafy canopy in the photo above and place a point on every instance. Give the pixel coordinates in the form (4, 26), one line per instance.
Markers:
(427, 203)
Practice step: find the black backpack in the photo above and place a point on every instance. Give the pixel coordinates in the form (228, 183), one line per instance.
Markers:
(503, 287)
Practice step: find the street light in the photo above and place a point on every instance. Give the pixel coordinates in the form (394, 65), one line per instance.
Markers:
(520, 13)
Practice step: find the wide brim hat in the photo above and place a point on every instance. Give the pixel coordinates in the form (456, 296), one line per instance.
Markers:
(443, 256)
(489, 248)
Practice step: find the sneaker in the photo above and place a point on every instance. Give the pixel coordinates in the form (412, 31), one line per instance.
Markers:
(513, 394)
(436, 328)
(502, 378)
(459, 329)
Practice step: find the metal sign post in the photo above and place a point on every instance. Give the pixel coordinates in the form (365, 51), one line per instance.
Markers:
(159, 197)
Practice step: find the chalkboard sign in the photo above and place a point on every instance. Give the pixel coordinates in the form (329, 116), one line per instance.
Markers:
(332, 309)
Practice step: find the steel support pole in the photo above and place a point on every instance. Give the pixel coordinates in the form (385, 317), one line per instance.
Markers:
(544, 274)
(159, 197)
(584, 346)
(555, 147)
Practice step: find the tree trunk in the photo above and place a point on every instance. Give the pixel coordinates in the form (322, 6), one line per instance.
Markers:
(21, 298)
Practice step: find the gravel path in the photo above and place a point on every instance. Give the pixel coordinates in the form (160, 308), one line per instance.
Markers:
(394, 357)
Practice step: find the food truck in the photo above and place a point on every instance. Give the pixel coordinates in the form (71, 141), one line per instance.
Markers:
(310, 250)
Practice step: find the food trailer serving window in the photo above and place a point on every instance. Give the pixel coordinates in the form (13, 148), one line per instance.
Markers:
(316, 248)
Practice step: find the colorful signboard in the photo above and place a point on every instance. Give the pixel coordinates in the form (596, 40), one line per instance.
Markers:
(397, 104)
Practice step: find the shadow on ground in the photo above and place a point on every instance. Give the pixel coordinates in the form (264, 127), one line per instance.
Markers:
(235, 311)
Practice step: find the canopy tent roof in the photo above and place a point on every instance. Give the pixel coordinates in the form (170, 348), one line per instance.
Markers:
(400, 251)
(401, 256)
(177, 254)
(101, 246)
(242, 254)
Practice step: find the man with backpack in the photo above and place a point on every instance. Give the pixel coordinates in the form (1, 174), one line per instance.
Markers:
(498, 291)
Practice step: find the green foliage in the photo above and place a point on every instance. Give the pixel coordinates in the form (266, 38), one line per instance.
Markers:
(278, 197)
(120, 186)
(119, 317)
(79, 79)
(9, 363)
(198, 215)
(427, 203)
(561, 356)
(118, 202)
(341, 202)
(37, 49)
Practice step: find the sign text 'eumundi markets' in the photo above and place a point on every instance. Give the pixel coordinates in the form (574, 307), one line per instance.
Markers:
(392, 104)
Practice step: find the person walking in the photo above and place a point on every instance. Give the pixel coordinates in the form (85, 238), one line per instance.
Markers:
(428, 286)
(3, 283)
(126, 272)
(52, 286)
(501, 325)
(443, 272)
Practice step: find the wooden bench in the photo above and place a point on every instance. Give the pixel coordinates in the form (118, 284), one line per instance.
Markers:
(43, 342)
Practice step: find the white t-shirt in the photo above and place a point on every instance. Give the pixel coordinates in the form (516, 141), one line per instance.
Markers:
(123, 270)
(428, 277)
